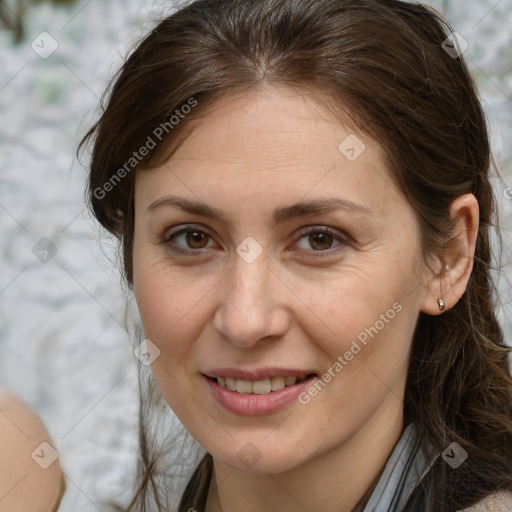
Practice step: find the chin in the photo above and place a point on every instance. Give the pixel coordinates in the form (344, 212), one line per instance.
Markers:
(260, 459)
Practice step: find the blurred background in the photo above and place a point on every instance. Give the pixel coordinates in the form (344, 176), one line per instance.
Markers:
(64, 348)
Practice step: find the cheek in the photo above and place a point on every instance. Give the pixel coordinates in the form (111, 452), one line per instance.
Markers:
(348, 302)
(363, 321)
(172, 306)
(169, 315)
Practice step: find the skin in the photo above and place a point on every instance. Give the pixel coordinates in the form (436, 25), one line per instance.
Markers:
(248, 155)
(25, 485)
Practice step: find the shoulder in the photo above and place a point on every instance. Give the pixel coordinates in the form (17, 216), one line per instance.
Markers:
(498, 502)
(30, 475)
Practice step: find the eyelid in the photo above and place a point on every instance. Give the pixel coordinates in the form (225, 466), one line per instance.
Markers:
(183, 228)
(318, 228)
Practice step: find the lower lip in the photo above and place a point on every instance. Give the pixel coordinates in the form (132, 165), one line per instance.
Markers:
(252, 404)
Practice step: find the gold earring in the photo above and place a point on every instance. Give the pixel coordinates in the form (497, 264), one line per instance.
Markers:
(440, 303)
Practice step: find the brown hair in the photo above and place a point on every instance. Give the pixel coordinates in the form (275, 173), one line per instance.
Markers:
(383, 63)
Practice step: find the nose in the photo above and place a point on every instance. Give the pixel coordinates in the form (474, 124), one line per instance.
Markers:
(251, 306)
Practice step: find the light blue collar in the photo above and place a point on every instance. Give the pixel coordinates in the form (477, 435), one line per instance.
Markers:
(405, 468)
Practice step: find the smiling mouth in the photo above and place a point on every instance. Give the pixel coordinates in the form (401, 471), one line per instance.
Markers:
(259, 387)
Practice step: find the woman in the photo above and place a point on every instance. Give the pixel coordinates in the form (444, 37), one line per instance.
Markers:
(301, 190)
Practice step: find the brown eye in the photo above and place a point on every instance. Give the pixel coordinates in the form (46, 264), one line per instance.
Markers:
(196, 239)
(321, 241)
(186, 240)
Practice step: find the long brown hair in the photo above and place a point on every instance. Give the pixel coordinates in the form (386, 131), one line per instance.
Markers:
(382, 62)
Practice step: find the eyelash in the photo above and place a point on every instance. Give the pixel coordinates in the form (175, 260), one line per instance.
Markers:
(306, 231)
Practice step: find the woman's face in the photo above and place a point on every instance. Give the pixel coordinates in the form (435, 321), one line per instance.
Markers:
(245, 282)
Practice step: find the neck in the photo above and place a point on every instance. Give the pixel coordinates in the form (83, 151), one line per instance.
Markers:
(334, 481)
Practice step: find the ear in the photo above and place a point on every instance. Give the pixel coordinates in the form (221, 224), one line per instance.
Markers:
(455, 264)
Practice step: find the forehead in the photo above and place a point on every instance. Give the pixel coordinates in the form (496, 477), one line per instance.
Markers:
(269, 124)
(269, 143)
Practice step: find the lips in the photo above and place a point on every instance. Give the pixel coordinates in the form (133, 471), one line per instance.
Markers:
(256, 397)
(258, 382)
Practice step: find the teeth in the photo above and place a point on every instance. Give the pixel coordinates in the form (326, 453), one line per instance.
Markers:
(277, 383)
(244, 386)
(290, 381)
(258, 387)
(261, 387)
(230, 384)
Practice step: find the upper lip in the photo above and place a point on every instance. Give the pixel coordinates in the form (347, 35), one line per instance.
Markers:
(256, 374)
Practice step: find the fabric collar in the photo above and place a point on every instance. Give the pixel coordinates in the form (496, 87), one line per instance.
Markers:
(405, 468)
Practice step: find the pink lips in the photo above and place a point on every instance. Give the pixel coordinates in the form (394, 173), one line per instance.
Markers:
(252, 404)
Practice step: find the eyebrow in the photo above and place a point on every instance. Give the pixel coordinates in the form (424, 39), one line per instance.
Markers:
(281, 214)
